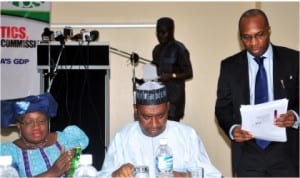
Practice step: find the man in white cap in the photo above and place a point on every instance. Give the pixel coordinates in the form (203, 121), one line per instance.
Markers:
(136, 143)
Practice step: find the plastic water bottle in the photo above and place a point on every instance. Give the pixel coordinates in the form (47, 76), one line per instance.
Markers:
(164, 160)
(85, 168)
(6, 168)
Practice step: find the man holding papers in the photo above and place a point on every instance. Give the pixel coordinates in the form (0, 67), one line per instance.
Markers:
(259, 120)
(264, 134)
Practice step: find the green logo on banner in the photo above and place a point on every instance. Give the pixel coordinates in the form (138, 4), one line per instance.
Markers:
(27, 4)
(35, 10)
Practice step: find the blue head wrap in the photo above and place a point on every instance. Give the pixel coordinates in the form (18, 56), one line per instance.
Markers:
(12, 110)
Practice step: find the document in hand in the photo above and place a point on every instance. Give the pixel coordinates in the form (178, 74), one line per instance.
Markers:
(149, 72)
(259, 120)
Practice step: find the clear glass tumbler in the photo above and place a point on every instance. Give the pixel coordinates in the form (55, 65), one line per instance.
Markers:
(141, 172)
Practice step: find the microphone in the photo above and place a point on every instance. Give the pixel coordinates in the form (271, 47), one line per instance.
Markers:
(94, 35)
(68, 32)
(47, 35)
(89, 36)
(77, 37)
(134, 58)
(59, 37)
(85, 35)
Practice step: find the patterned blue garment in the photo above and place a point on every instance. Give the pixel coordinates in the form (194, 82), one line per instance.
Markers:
(36, 161)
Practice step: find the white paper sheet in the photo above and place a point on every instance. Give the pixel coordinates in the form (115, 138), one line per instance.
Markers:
(149, 72)
(259, 120)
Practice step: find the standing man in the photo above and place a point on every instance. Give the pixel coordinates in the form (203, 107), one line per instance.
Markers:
(136, 143)
(174, 67)
(237, 85)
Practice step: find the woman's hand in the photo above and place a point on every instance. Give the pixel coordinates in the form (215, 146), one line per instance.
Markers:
(61, 166)
(63, 163)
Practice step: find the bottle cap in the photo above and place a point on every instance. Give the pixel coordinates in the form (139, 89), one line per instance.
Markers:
(163, 141)
(5, 160)
(86, 159)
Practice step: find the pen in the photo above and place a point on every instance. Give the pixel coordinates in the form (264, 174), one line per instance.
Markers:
(282, 84)
(275, 114)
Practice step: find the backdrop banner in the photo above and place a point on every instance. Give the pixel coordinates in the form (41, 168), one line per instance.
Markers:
(22, 24)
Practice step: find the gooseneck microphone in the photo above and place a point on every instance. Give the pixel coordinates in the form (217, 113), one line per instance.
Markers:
(59, 37)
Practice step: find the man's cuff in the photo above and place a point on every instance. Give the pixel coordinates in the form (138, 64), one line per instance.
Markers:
(230, 131)
(297, 122)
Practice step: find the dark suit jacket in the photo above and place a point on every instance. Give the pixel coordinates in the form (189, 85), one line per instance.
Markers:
(233, 91)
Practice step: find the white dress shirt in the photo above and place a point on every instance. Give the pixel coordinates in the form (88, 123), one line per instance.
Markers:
(130, 145)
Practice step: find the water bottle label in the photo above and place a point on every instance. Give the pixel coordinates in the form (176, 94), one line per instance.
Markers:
(164, 163)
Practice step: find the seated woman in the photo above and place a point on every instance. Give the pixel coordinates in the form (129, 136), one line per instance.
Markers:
(38, 152)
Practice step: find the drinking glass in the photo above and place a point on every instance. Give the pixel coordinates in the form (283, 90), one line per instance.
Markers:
(141, 172)
(195, 172)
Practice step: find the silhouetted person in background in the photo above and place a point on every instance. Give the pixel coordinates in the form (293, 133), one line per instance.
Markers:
(174, 67)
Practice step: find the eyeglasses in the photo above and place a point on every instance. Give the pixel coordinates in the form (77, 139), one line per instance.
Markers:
(31, 123)
(258, 36)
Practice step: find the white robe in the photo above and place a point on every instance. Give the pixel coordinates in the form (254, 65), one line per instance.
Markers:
(130, 145)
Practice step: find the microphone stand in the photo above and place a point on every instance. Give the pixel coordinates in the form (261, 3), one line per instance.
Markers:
(128, 55)
(134, 59)
(56, 65)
